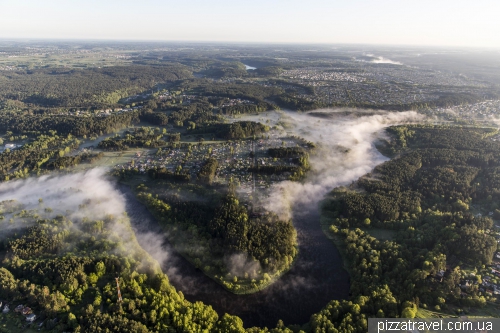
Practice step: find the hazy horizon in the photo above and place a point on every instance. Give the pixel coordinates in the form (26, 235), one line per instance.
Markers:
(361, 22)
(246, 43)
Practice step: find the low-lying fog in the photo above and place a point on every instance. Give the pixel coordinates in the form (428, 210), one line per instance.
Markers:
(345, 150)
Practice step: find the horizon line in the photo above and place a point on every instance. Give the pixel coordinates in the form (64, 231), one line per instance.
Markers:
(215, 42)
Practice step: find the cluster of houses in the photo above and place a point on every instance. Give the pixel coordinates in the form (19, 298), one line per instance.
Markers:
(488, 284)
(11, 146)
(319, 74)
(165, 96)
(489, 287)
(486, 110)
(417, 76)
(377, 84)
(233, 102)
(368, 92)
(8, 68)
(137, 97)
(234, 161)
(103, 112)
(24, 310)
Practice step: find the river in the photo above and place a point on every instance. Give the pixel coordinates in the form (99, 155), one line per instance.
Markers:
(345, 152)
(316, 277)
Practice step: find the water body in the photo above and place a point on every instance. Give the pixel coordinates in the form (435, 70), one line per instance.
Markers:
(345, 153)
(316, 277)
(249, 67)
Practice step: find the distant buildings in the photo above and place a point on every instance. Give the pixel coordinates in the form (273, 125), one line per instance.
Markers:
(24, 310)
(31, 318)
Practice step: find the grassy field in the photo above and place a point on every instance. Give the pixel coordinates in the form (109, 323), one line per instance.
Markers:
(424, 313)
(110, 159)
(83, 60)
(490, 310)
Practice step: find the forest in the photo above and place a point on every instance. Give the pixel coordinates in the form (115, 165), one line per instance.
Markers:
(47, 139)
(76, 125)
(65, 270)
(298, 163)
(205, 87)
(416, 233)
(94, 87)
(33, 156)
(233, 131)
(212, 228)
(208, 170)
(286, 152)
(435, 238)
(68, 161)
(139, 137)
(424, 198)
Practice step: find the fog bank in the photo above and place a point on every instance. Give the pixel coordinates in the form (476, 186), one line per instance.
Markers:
(345, 151)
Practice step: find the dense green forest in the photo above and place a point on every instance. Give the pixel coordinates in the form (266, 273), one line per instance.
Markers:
(61, 87)
(65, 269)
(140, 137)
(68, 161)
(208, 170)
(413, 232)
(47, 139)
(206, 87)
(424, 199)
(291, 102)
(75, 125)
(286, 152)
(212, 229)
(32, 156)
(234, 131)
(296, 156)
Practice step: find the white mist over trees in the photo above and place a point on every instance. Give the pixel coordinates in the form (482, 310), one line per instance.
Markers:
(67, 193)
(345, 151)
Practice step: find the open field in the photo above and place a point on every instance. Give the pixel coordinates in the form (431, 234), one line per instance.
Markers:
(110, 159)
(424, 313)
(52, 59)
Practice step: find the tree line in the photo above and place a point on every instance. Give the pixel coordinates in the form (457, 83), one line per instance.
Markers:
(93, 87)
(422, 198)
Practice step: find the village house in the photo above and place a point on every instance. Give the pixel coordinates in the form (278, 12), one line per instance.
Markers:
(26, 311)
(31, 318)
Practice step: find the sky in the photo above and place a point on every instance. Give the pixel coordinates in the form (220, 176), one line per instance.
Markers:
(389, 22)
